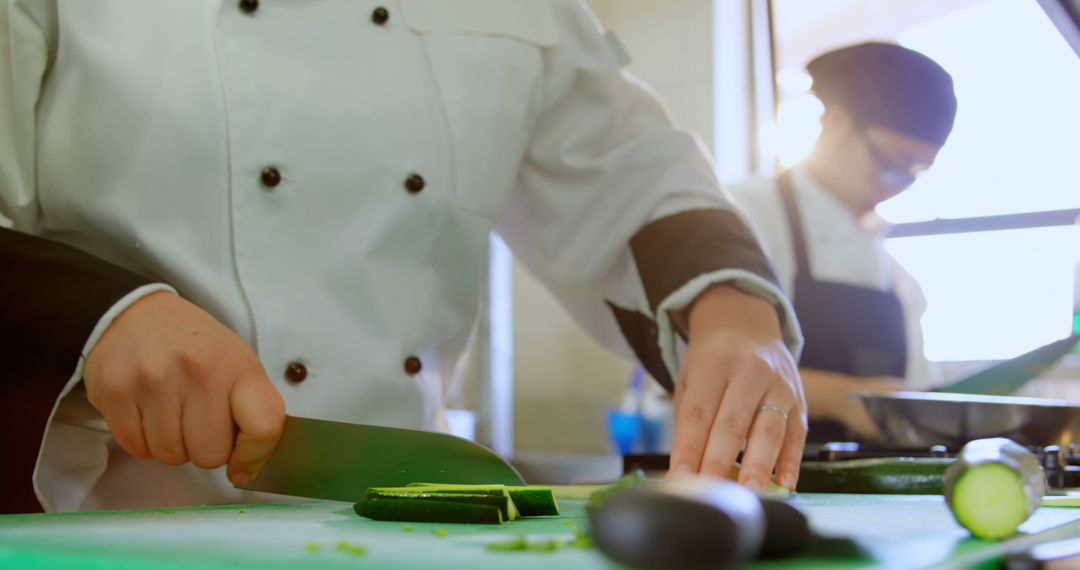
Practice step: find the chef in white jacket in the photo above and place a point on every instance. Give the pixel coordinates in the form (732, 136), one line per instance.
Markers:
(220, 211)
(888, 112)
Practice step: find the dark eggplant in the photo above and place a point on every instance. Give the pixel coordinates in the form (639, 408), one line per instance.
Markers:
(787, 530)
(691, 524)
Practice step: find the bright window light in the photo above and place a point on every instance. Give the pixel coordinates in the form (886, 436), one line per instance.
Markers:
(1013, 149)
(993, 295)
(1016, 141)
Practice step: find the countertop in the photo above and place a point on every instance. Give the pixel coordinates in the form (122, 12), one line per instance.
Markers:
(886, 531)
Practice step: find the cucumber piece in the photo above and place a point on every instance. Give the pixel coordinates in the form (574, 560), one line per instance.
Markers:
(431, 510)
(922, 476)
(534, 501)
(989, 501)
(993, 487)
(531, 501)
(494, 497)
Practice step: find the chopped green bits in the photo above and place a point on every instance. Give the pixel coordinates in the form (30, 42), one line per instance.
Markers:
(407, 528)
(545, 546)
(581, 540)
(521, 544)
(516, 544)
(312, 547)
(351, 549)
(441, 533)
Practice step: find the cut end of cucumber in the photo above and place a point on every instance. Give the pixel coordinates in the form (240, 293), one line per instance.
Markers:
(989, 501)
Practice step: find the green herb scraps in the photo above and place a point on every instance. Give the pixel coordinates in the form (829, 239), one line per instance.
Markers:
(351, 549)
(522, 544)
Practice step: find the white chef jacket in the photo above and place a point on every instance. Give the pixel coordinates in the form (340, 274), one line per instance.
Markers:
(840, 249)
(137, 131)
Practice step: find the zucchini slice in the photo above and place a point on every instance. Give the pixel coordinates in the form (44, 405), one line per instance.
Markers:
(429, 510)
(534, 501)
(993, 487)
(497, 498)
(531, 501)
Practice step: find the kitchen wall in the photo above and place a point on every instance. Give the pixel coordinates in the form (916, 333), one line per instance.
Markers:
(564, 381)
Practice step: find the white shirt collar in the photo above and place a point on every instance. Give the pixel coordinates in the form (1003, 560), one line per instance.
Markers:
(812, 194)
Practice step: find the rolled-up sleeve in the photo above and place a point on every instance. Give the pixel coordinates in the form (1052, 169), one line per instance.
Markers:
(619, 213)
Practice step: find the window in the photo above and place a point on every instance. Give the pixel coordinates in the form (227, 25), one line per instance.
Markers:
(988, 232)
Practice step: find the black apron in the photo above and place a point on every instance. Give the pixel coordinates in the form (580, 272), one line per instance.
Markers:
(847, 329)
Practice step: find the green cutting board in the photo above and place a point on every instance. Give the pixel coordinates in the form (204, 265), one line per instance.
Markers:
(893, 531)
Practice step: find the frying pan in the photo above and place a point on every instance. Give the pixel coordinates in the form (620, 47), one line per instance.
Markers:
(923, 419)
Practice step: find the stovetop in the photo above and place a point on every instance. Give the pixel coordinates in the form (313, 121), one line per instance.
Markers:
(1061, 464)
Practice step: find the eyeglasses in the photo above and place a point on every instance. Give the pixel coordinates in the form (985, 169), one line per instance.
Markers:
(890, 175)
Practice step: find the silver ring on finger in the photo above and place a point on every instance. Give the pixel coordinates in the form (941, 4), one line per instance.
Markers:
(773, 408)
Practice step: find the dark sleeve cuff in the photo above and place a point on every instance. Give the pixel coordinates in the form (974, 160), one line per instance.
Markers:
(671, 252)
(53, 297)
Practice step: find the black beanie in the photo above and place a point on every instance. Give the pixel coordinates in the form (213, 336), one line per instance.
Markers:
(890, 86)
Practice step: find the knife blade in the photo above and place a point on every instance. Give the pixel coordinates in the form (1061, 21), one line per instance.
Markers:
(338, 461)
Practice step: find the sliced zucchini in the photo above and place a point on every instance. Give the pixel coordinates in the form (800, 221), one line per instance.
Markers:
(429, 510)
(993, 487)
(531, 501)
(534, 501)
(497, 498)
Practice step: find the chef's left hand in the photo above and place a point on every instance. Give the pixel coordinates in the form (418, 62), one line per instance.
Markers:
(738, 383)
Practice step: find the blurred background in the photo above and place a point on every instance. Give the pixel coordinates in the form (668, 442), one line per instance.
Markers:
(990, 232)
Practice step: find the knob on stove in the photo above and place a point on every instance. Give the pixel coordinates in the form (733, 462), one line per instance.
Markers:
(1051, 457)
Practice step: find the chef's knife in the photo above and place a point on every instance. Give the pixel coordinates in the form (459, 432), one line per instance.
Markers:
(335, 460)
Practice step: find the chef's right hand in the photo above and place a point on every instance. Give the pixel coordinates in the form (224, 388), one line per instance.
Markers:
(176, 385)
